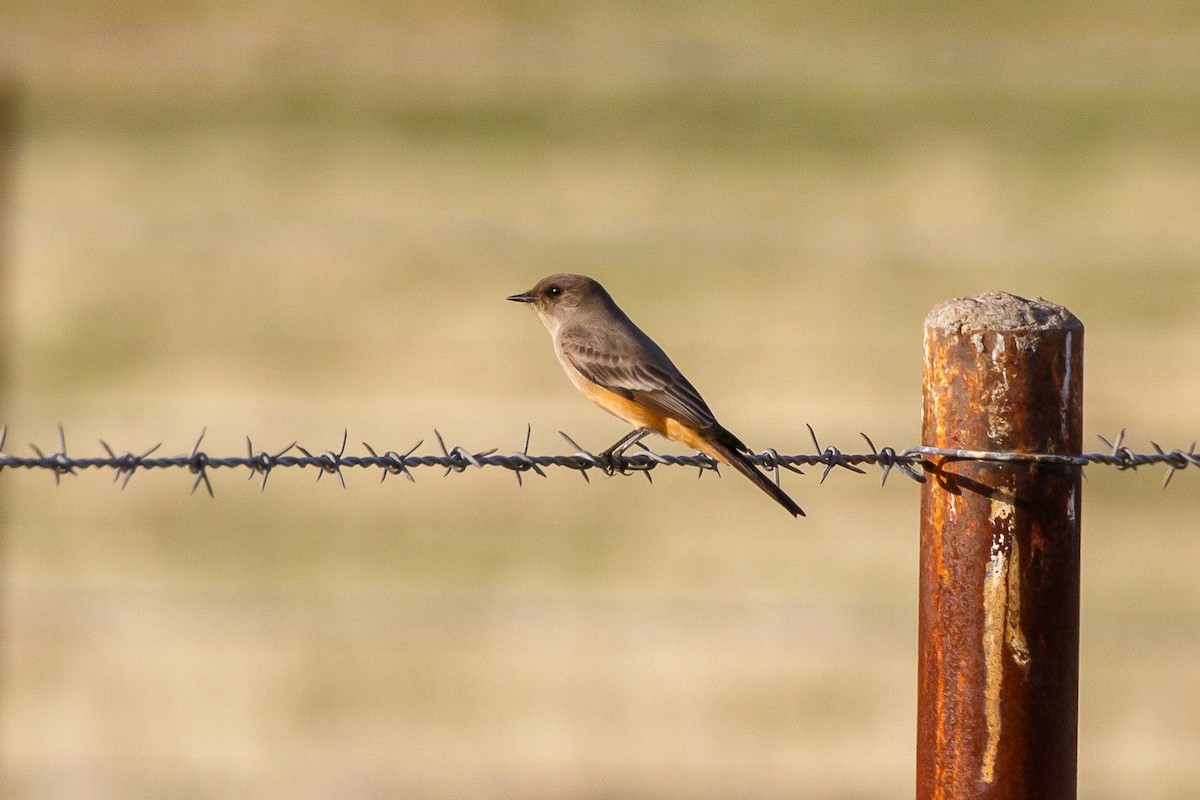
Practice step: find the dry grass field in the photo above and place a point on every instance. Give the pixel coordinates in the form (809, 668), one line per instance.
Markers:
(285, 220)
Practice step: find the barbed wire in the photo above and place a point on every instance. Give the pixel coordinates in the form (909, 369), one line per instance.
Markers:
(911, 461)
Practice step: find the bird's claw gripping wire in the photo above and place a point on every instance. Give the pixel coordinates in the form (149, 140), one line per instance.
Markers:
(613, 458)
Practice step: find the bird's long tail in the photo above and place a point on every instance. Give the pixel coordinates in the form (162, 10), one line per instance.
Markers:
(729, 449)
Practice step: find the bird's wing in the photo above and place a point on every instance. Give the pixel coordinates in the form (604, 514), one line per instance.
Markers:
(639, 371)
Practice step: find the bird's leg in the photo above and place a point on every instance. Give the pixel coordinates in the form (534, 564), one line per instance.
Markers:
(621, 445)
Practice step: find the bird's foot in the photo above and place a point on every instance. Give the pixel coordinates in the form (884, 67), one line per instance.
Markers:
(612, 454)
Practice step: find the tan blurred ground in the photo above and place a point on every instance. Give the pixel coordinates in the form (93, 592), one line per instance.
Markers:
(284, 220)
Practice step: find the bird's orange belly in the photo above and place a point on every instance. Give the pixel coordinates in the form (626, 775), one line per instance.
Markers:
(641, 417)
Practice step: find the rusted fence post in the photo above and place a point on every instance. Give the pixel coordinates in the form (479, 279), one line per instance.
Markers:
(998, 669)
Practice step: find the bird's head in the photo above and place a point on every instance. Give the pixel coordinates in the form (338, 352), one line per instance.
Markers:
(558, 295)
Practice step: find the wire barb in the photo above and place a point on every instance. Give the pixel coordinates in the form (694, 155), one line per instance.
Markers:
(329, 461)
(522, 459)
(912, 462)
(58, 462)
(126, 463)
(198, 463)
(261, 463)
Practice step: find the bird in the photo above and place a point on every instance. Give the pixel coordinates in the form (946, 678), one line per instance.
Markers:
(622, 370)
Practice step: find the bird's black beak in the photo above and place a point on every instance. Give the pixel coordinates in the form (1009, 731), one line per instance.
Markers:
(523, 297)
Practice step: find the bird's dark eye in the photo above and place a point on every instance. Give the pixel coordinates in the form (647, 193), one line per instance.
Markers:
(554, 291)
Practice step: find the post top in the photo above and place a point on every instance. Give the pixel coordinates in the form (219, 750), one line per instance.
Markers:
(1001, 311)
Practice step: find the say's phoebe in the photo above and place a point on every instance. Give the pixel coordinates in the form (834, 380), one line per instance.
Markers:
(623, 371)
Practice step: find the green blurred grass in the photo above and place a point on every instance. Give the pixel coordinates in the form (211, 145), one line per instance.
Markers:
(288, 220)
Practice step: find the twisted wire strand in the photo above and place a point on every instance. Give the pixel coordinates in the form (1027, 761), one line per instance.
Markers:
(911, 461)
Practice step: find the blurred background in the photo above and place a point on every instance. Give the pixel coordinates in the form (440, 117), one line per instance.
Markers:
(284, 220)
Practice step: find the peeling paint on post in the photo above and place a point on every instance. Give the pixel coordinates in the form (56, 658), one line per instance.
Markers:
(998, 669)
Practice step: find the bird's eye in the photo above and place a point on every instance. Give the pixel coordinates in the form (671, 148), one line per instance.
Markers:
(554, 291)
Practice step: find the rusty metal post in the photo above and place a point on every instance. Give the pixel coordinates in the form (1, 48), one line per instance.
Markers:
(998, 668)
